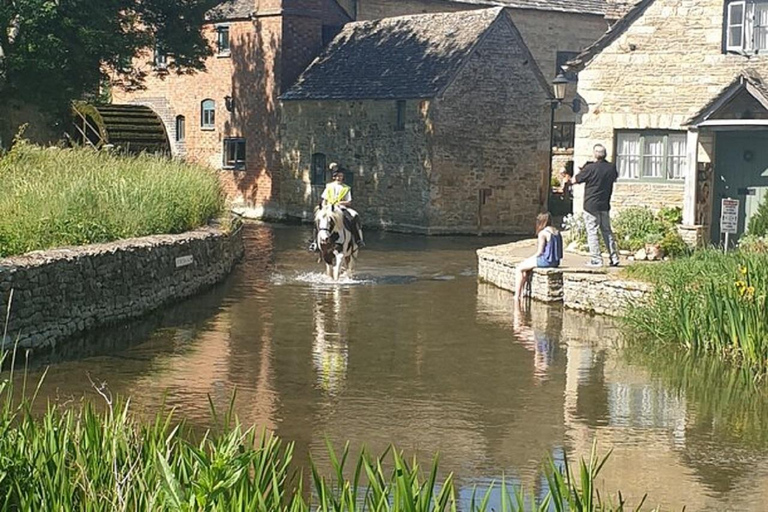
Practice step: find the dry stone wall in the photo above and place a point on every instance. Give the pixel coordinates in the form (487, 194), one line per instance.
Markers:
(602, 294)
(65, 292)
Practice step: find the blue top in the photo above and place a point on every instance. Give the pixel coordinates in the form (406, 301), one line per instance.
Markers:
(553, 251)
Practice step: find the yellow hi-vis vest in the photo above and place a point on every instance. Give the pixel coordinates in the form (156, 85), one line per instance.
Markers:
(335, 199)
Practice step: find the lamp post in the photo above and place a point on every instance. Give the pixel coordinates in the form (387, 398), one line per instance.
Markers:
(559, 90)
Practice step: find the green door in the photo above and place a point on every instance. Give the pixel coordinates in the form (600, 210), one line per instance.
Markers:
(741, 172)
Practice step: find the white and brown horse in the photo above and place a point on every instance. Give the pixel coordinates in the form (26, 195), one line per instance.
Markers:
(335, 241)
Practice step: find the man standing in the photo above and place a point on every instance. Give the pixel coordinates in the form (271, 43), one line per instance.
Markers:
(598, 178)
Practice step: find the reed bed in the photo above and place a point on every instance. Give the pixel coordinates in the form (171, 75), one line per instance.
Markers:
(60, 197)
(80, 458)
(709, 302)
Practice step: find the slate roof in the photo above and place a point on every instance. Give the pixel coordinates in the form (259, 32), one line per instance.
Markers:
(581, 6)
(403, 57)
(617, 29)
(231, 9)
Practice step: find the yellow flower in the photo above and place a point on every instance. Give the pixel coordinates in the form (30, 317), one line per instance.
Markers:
(743, 270)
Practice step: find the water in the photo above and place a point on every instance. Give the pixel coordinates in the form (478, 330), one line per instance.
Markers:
(413, 351)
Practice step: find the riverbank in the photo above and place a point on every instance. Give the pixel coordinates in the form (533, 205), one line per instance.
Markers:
(56, 197)
(51, 296)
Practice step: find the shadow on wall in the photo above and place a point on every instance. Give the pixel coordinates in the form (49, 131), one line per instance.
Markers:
(255, 114)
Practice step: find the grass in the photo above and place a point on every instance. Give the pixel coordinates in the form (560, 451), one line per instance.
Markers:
(58, 197)
(82, 459)
(709, 302)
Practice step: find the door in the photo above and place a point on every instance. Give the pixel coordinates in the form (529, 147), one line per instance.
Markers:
(741, 172)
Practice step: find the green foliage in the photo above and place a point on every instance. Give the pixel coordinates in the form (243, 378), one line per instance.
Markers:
(753, 243)
(81, 459)
(671, 216)
(53, 197)
(633, 226)
(709, 302)
(59, 50)
(673, 244)
(758, 224)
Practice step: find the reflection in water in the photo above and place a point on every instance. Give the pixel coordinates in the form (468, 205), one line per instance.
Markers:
(330, 347)
(420, 355)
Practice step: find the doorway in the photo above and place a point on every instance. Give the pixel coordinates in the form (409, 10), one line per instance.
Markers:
(741, 172)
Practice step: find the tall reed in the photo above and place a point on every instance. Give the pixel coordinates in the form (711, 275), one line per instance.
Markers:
(56, 197)
(708, 303)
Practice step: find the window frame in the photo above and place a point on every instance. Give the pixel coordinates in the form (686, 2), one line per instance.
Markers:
(208, 124)
(181, 128)
(747, 26)
(234, 164)
(160, 59)
(314, 166)
(557, 127)
(223, 52)
(641, 156)
(400, 107)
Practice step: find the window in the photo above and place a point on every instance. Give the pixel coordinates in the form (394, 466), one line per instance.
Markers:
(222, 40)
(161, 58)
(234, 153)
(181, 128)
(208, 114)
(746, 26)
(318, 169)
(400, 121)
(563, 135)
(651, 155)
(562, 59)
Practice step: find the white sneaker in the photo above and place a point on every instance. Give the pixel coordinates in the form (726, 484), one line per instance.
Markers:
(594, 264)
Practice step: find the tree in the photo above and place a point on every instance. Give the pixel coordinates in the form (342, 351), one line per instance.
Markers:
(54, 51)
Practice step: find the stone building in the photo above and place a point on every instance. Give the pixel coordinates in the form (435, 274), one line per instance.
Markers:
(554, 30)
(676, 92)
(441, 120)
(227, 117)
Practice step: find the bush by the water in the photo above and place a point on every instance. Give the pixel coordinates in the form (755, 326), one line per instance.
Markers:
(80, 459)
(709, 302)
(56, 197)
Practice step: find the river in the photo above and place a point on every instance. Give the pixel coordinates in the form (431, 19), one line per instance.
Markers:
(414, 351)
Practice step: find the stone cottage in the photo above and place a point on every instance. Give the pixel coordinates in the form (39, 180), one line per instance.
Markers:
(676, 92)
(554, 30)
(441, 120)
(228, 116)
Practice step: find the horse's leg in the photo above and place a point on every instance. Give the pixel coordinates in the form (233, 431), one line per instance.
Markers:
(337, 266)
(329, 270)
(351, 259)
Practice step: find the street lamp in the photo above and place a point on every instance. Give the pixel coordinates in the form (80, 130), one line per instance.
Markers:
(229, 103)
(559, 87)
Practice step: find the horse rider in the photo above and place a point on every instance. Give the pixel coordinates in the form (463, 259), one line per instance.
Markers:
(336, 193)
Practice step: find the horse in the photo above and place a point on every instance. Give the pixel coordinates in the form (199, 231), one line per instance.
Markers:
(335, 241)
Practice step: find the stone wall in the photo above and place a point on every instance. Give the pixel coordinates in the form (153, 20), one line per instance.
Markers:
(490, 154)
(62, 293)
(646, 195)
(656, 75)
(602, 294)
(387, 168)
(593, 291)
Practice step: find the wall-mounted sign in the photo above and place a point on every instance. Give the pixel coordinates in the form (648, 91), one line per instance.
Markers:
(729, 216)
(183, 261)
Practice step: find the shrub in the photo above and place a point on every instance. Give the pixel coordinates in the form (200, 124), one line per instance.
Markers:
(56, 197)
(758, 224)
(753, 243)
(673, 244)
(634, 225)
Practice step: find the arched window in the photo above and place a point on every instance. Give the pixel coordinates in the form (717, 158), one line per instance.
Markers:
(181, 128)
(208, 114)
